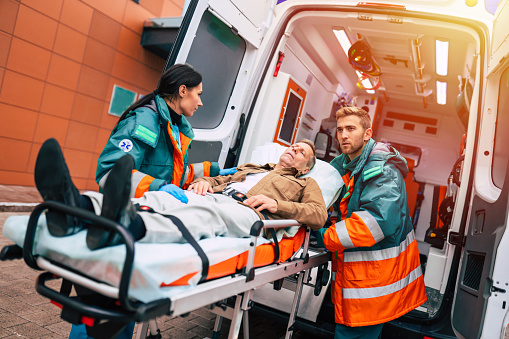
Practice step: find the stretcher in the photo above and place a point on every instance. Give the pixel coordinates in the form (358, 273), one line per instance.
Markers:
(114, 286)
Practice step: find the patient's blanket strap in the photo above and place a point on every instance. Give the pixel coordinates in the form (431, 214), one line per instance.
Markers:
(185, 233)
(276, 245)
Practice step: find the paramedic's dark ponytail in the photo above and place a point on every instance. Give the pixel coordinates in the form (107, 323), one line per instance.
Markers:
(169, 84)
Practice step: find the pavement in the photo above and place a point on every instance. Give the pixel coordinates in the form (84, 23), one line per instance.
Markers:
(26, 314)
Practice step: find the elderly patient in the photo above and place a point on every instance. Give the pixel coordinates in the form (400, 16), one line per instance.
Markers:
(218, 206)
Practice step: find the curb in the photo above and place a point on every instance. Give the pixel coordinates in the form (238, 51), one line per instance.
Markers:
(17, 206)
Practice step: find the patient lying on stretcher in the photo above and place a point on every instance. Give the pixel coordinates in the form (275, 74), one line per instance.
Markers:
(218, 206)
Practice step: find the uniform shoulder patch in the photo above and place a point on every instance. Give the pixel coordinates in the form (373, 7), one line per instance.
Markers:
(146, 135)
(372, 172)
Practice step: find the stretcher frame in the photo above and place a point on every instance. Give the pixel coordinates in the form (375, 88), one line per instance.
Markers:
(207, 293)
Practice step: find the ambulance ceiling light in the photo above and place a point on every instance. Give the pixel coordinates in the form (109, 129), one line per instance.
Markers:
(442, 57)
(441, 93)
(343, 40)
(345, 45)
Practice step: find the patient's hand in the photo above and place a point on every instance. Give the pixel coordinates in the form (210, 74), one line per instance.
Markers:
(200, 187)
(261, 202)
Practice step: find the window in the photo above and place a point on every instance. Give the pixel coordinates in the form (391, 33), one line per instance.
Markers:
(501, 151)
(219, 66)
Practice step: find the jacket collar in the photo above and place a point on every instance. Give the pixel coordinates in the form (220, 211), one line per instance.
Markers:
(159, 105)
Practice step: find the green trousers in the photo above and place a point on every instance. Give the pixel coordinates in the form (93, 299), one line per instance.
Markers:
(362, 332)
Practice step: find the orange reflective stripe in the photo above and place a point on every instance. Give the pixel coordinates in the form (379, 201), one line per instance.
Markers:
(331, 240)
(190, 176)
(361, 274)
(143, 185)
(359, 233)
(382, 309)
(343, 205)
(206, 168)
(178, 159)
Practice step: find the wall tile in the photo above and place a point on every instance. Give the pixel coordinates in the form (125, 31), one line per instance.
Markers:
(50, 8)
(51, 127)
(111, 8)
(15, 88)
(134, 17)
(63, 72)
(102, 139)
(92, 185)
(155, 7)
(147, 78)
(9, 10)
(16, 178)
(153, 61)
(105, 29)
(108, 121)
(57, 101)
(17, 123)
(93, 83)
(87, 109)
(2, 71)
(129, 43)
(14, 155)
(77, 15)
(33, 157)
(79, 163)
(99, 56)
(70, 43)
(171, 9)
(81, 137)
(125, 68)
(5, 45)
(35, 27)
(29, 59)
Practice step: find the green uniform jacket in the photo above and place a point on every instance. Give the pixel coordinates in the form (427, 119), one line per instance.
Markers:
(148, 135)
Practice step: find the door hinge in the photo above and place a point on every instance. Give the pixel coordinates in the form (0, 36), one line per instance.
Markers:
(457, 239)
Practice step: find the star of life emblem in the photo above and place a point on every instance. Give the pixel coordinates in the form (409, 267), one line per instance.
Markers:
(126, 145)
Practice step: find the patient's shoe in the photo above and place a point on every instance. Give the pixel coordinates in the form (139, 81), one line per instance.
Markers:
(116, 205)
(54, 183)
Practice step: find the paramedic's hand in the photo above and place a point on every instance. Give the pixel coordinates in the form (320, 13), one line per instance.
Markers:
(261, 202)
(200, 187)
(176, 191)
(228, 171)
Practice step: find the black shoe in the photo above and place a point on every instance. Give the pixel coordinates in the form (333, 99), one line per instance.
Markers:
(116, 205)
(54, 183)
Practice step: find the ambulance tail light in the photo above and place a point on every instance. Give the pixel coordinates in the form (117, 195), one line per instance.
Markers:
(383, 6)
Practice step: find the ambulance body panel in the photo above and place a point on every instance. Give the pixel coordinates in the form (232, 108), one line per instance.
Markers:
(278, 72)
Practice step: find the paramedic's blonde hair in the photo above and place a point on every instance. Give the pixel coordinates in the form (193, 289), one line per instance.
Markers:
(362, 114)
(312, 159)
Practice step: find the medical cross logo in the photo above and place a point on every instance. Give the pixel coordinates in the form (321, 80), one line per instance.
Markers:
(126, 145)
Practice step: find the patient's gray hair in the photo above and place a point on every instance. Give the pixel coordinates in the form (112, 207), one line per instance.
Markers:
(312, 159)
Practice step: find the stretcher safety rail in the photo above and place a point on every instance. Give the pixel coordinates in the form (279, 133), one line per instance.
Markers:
(201, 295)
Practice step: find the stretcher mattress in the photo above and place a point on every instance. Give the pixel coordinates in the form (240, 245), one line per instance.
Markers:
(163, 270)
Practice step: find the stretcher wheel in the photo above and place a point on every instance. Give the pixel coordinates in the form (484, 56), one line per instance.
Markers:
(322, 278)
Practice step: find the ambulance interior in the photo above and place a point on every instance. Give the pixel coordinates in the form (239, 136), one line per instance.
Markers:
(418, 104)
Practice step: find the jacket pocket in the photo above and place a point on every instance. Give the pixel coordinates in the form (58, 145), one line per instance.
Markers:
(288, 187)
(361, 271)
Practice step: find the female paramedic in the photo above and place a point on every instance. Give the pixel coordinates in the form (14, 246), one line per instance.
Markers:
(155, 132)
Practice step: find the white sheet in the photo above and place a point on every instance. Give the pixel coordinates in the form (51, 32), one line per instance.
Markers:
(155, 264)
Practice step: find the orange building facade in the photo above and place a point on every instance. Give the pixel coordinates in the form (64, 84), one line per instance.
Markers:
(59, 63)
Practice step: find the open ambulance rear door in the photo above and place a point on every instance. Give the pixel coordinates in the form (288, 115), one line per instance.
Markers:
(481, 301)
(220, 39)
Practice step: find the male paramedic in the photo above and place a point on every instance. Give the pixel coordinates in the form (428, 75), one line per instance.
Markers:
(272, 191)
(377, 274)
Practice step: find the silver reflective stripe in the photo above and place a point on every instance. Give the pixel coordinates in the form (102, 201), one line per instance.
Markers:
(136, 179)
(199, 172)
(333, 276)
(374, 292)
(103, 179)
(378, 255)
(372, 225)
(344, 237)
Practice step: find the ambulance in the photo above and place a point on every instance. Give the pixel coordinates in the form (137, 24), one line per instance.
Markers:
(434, 77)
